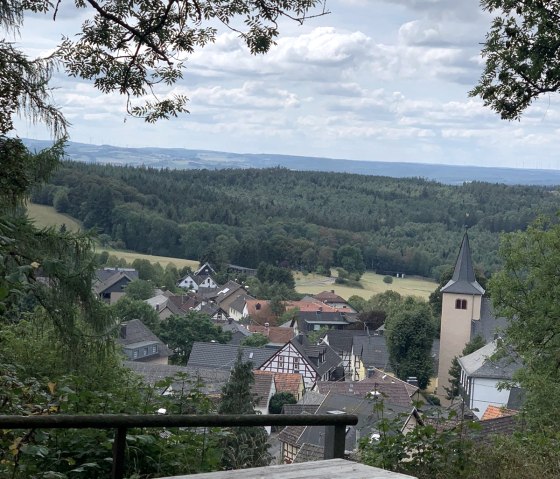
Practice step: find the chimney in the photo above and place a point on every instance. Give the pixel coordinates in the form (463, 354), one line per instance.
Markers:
(258, 306)
(267, 329)
(230, 320)
(157, 307)
(370, 372)
(122, 332)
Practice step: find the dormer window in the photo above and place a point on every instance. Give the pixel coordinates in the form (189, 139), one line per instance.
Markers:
(460, 304)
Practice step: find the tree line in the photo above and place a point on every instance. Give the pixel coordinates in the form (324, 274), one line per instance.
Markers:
(304, 220)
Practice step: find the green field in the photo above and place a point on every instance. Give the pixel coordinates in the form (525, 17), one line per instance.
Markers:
(45, 216)
(130, 256)
(372, 284)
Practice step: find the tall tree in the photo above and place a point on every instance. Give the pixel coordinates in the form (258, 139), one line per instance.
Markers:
(521, 52)
(526, 291)
(244, 446)
(181, 332)
(410, 334)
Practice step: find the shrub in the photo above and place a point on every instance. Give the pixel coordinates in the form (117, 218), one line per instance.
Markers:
(387, 279)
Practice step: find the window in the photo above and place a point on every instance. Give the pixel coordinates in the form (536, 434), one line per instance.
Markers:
(280, 362)
(154, 348)
(135, 354)
(461, 304)
(145, 352)
(296, 364)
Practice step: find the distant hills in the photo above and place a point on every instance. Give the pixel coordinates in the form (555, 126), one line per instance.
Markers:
(183, 159)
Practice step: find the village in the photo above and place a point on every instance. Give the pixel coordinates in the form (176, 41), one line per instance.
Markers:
(326, 360)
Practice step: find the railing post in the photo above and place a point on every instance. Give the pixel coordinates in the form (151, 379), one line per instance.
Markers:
(119, 446)
(335, 441)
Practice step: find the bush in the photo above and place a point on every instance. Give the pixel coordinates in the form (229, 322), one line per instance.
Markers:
(387, 279)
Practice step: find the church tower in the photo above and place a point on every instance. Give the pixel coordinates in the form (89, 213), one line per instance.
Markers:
(460, 306)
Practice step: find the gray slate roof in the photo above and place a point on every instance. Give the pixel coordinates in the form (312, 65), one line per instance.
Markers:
(341, 340)
(480, 364)
(489, 325)
(463, 280)
(105, 273)
(135, 333)
(223, 356)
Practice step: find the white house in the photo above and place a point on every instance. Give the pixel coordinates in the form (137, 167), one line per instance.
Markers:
(481, 376)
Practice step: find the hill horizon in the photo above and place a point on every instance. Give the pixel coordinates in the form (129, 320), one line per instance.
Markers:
(184, 159)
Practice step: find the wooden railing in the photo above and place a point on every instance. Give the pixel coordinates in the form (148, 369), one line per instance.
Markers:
(335, 427)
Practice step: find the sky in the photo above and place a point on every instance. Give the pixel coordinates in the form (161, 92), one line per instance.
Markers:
(374, 80)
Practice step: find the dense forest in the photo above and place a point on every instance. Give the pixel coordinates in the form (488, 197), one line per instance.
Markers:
(307, 220)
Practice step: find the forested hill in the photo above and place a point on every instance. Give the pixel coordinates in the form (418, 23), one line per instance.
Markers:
(181, 159)
(310, 220)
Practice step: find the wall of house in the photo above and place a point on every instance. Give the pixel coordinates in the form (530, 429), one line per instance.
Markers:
(289, 453)
(455, 332)
(483, 392)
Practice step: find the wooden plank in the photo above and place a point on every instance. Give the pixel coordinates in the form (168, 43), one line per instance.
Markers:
(331, 469)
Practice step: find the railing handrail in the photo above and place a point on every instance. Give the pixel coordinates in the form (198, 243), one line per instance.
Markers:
(335, 426)
(113, 421)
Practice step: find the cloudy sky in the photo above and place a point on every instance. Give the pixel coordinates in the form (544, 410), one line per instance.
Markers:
(374, 80)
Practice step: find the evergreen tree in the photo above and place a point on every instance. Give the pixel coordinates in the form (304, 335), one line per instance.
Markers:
(243, 447)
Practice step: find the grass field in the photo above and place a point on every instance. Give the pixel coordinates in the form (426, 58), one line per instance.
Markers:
(45, 216)
(130, 256)
(372, 284)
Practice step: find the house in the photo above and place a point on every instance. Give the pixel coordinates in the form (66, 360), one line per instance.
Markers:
(168, 304)
(214, 311)
(465, 313)
(294, 439)
(259, 311)
(342, 341)
(313, 362)
(110, 283)
(481, 376)
(140, 344)
(194, 282)
(307, 321)
(334, 300)
(223, 356)
(263, 389)
(205, 270)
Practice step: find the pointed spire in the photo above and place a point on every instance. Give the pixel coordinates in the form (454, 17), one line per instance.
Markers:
(463, 280)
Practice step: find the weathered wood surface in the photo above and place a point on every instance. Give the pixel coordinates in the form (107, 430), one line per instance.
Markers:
(331, 469)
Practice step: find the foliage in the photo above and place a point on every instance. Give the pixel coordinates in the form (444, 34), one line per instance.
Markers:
(139, 289)
(267, 273)
(526, 292)
(126, 309)
(276, 216)
(387, 279)
(180, 332)
(410, 334)
(357, 302)
(521, 55)
(278, 400)
(255, 340)
(316, 336)
(455, 370)
(426, 451)
(244, 446)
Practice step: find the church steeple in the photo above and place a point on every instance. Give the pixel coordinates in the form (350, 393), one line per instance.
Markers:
(463, 280)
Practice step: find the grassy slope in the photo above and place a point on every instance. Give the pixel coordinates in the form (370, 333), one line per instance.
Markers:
(45, 216)
(372, 284)
(311, 284)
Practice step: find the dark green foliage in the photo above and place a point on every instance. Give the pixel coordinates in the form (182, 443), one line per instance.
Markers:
(180, 332)
(139, 289)
(521, 55)
(278, 400)
(387, 279)
(267, 273)
(255, 340)
(244, 446)
(410, 334)
(127, 308)
(284, 218)
(526, 291)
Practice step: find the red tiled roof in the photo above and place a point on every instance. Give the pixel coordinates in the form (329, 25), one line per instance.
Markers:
(310, 306)
(329, 297)
(493, 412)
(283, 382)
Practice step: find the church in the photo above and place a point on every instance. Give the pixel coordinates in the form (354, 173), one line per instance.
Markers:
(465, 313)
